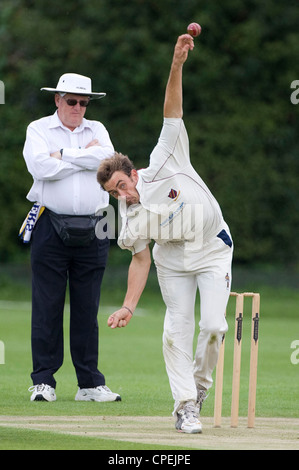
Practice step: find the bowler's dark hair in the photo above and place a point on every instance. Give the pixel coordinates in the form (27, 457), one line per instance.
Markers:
(118, 162)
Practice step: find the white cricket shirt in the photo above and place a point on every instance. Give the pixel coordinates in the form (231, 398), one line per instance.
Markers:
(67, 186)
(176, 206)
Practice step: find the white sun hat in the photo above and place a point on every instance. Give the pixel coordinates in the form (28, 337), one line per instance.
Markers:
(75, 84)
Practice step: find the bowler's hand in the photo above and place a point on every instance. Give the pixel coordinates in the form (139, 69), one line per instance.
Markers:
(185, 43)
(120, 318)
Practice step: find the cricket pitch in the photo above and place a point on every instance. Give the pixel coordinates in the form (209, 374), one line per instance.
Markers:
(268, 433)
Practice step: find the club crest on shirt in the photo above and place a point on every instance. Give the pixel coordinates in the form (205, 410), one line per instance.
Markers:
(173, 194)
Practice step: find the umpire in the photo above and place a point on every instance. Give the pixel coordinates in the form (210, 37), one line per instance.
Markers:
(62, 153)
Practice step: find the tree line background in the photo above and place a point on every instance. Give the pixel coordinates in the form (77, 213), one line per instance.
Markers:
(242, 126)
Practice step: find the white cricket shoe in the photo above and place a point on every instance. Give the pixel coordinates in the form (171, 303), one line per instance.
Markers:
(187, 419)
(101, 394)
(42, 392)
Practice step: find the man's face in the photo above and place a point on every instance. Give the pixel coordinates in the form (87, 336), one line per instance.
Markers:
(71, 116)
(122, 185)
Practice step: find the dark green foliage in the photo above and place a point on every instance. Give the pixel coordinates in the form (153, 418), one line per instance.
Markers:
(242, 125)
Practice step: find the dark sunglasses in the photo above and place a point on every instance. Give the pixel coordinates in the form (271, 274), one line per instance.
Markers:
(73, 102)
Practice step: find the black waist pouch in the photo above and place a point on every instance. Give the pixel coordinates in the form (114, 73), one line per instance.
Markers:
(74, 230)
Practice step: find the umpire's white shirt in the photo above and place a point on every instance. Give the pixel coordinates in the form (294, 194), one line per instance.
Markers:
(67, 186)
(176, 207)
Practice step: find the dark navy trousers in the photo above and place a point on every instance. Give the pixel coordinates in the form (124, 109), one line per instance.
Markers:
(54, 267)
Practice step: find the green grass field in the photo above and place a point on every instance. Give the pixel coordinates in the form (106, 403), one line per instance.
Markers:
(132, 361)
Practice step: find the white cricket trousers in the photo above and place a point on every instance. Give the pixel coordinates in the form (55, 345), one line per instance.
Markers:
(186, 370)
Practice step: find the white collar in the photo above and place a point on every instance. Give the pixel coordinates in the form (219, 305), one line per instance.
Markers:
(56, 122)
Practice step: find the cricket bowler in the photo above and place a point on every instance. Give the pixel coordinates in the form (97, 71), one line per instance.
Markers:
(169, 203)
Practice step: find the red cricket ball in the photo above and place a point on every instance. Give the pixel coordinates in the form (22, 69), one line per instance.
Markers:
(194, 29)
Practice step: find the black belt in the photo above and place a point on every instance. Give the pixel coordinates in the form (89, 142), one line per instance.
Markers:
(68, 215)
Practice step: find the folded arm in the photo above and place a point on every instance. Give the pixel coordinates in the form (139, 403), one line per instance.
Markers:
(44, 164)
(90, 157)
(39, 162)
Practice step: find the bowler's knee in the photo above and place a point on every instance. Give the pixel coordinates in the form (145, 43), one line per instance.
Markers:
(214, 335)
